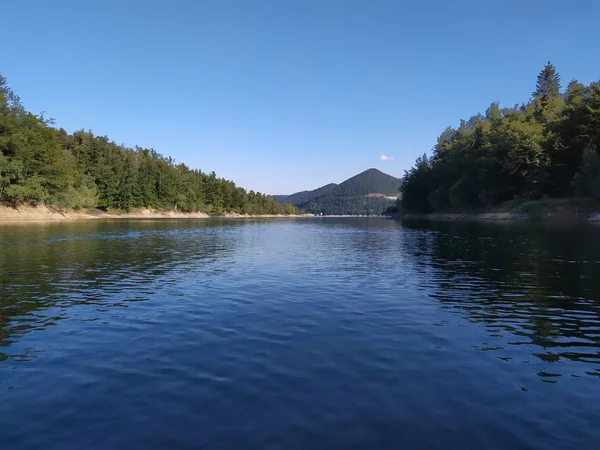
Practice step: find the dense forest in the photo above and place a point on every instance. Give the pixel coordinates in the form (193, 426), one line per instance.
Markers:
(548, 147)
(351, 205)
(40, 164)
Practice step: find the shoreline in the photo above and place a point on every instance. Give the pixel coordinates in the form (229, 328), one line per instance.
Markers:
(508, 216)
(44, 213)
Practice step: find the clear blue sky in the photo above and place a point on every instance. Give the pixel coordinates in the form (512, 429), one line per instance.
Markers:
(284, 95)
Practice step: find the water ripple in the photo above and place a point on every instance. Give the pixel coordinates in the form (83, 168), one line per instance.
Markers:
(318, 333)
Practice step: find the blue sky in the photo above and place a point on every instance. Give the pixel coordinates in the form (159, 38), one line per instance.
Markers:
(285, 95)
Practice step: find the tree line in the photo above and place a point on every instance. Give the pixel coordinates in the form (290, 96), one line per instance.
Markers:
(330, 204)
(41, 164)
(547, 147)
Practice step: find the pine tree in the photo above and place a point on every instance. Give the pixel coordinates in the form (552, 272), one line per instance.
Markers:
(548, 83)
(574, 94)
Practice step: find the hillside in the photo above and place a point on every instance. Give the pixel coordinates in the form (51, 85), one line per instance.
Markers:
(304, 196)
(365, 192)
(43, 165)
(527, 156)
(370, 181)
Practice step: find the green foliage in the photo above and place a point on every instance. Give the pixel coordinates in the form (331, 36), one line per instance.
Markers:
(348, 205)
(416, 186)
(587, 181)
(529, 151)
(83, 195)
(533, 207)
(548, 83)
(30, 190)
(11, 174)
(438, 199)
(458, 195)
(537, 208)
(42, 164)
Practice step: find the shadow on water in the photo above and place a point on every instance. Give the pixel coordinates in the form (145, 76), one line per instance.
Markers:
(538, 282)
(46, 268)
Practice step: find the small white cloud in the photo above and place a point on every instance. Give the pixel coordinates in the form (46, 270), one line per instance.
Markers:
(386, 158)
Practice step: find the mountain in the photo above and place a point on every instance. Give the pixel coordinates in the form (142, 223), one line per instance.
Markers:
(371, 191)
(370, 181)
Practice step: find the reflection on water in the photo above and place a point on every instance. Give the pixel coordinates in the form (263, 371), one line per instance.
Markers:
(308, 333)
(530, 284)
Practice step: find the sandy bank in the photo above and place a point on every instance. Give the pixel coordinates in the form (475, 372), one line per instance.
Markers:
(45, 213)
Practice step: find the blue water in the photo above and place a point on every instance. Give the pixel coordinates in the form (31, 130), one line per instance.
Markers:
(299, 334)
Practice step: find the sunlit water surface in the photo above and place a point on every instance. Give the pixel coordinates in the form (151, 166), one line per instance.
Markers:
(299, 334)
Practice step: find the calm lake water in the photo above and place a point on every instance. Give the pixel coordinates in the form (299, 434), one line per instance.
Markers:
(299, 334)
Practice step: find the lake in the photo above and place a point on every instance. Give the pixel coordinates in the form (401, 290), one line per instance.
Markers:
(299, 334)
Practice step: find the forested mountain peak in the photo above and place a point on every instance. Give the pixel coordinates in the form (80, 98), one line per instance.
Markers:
(363, 193)
(370, 181)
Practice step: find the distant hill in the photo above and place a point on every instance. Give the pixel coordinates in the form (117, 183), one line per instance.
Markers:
(370, 181)
(371, 191)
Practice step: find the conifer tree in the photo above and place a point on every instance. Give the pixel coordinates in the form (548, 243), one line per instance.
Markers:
(548, 83)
